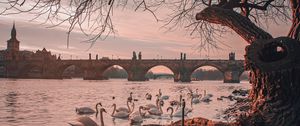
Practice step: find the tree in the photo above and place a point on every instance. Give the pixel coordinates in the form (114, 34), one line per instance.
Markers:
(273, 62)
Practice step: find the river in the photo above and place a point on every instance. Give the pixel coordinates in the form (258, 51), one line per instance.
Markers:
(39, 102)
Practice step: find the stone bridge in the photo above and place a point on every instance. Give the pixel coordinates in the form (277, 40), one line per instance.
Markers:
(136, 69)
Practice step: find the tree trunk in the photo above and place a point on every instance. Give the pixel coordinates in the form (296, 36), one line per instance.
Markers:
(294, 31)
(275, 70)
(275, 82)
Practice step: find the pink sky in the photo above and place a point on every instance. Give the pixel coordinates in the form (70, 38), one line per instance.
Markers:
(137, 31)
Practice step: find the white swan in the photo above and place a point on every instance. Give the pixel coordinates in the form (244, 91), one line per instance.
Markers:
(175, 102)
(195, 100)
(156, 110)
(120, 114)
(137, 116)
(206, 97)
(178, 113)
(148, 96)
(87, 110)
(172, 110)
(130, 97)
(194, 94)
(87, 121)
(149, 106)
(128, 109)
(163, 97)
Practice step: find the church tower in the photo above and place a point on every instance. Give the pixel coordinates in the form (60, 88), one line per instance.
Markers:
(13, 43)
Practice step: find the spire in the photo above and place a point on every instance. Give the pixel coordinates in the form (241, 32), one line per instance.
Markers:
(13, 43)
(13, 32)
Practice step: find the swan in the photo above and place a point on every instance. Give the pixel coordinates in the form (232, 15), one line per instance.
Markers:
(137, 116)
(163, 97)
(175, 102)
(195, 100)
(130, 97)
(120, 114)
(87, 110)
(87, 121)
(194, 94)
(124, 108)
(172, 110)
(148, 96)
(206, 97)
(178, 112)
(161, 103)
(149, 106)
(156, 110)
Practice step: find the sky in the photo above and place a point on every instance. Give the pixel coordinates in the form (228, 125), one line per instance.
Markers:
(137, 31)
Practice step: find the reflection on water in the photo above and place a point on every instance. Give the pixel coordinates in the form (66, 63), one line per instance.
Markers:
(11, 100)
(11, 106)
(53, 102)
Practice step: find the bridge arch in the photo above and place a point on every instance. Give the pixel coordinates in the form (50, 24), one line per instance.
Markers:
(207, 72)
(3, 71)
(114, 71)
(71, 70)
(62, 68)
(105, 67)
(244, 75)
(218, 67)
(31, 71)
(166, 71)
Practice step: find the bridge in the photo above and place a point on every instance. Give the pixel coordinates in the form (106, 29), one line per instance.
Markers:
(136, 69)
(21, 64)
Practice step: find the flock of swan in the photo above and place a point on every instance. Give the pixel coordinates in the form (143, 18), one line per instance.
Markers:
(143, 111)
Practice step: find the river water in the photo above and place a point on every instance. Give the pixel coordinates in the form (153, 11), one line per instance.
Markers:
(32, 102)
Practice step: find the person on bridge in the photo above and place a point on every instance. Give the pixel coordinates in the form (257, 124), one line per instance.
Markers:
(140, 56)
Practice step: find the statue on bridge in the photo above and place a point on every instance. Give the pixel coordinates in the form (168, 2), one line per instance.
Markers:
(59, 57)
(181, 56)
(232, 56)
(134, 55)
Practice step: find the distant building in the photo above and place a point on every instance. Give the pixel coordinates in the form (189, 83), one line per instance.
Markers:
(13, 52)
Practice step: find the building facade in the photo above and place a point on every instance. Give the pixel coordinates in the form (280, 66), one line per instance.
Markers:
(12, 52)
